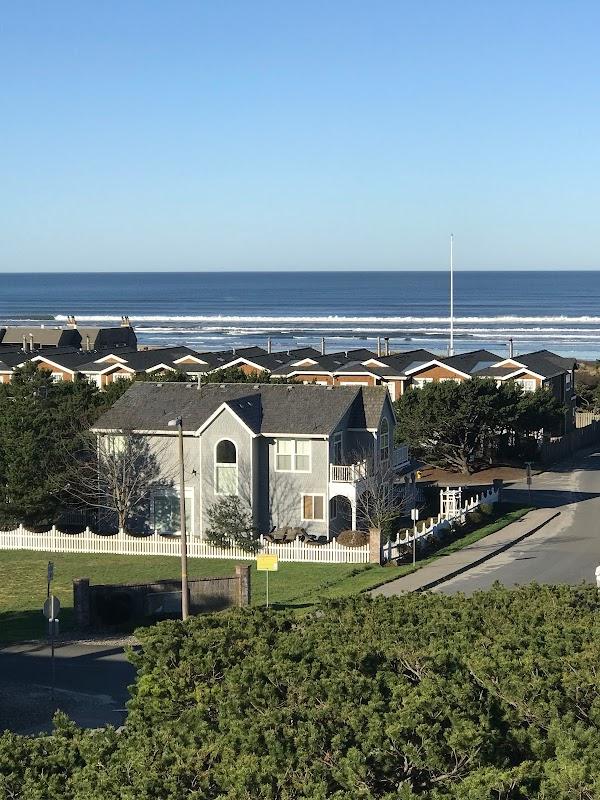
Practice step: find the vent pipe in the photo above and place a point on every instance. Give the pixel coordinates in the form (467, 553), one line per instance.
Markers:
(88, 343)
(510, 348)
(379, 346)
(322, 345)
(24, 343)
(31, 342)
(269, 345)
(387, 345)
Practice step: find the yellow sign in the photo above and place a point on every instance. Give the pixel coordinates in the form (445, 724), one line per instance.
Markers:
(267, 562)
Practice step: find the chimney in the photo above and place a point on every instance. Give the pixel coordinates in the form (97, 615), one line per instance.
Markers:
(88, 343)
(322, 345)
(269, 345)
(379, 346)
(31, 342)
(387, 345)
(125, 322)
(510, 348)
(24, 343)
(71, 321)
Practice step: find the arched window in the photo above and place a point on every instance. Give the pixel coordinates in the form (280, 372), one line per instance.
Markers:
(384, 440)
(226, 481)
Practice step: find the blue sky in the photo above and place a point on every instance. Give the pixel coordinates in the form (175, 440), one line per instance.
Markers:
(289, 135)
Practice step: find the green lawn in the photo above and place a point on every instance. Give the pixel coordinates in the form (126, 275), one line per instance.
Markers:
(23, 579)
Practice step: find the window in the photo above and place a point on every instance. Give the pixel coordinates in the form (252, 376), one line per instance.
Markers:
(165, 510)
(456, 380)
(226, 472)
(313, 507)
(568, 380)
(57, 377)
(384, 441)
(527, 384)
(337, 448)
(420, 382)
(292, 455)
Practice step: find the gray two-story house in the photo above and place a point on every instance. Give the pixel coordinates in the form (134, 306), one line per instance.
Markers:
(297, 455)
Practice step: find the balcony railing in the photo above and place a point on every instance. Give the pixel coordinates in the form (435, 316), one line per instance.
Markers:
(348, 473)
(353, 473)
(400, 455)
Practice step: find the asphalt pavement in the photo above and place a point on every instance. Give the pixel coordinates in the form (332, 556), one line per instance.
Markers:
(566, 550)
(91, 681)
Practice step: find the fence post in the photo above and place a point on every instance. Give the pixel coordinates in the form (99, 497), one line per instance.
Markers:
(81, 602)
(375, 554)
(498, 486)
(242, 572)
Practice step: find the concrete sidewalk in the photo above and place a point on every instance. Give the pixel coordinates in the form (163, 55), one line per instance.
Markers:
(446, 567)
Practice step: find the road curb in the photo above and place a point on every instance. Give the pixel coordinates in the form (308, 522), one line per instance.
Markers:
(501, 549)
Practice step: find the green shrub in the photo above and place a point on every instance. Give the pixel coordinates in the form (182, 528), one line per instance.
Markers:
(353, 538)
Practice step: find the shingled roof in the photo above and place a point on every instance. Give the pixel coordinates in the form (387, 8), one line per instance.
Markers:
(265, 408)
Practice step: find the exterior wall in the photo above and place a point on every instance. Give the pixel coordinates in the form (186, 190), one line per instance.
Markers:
(314, 377)
(224, 426)
(64, 375)
(166, 449)
(284, 489)
(359, 380)
(112, 377)
(435, 373)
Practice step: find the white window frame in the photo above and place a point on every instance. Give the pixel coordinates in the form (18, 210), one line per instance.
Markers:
(313, 518)
(189, 506)
(223, 464)
(527, 384)
(57, 377)
(293, 455)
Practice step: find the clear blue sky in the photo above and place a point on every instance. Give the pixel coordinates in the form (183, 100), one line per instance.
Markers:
(262, 135)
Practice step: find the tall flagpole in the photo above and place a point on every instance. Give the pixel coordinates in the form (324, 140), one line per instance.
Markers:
(451, 348)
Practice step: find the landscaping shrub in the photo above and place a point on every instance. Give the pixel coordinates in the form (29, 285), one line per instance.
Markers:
(487, 509)
(423, 696)
(353, 538)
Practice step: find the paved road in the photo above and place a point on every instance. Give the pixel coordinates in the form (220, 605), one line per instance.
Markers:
(567, 550)
(91, 683)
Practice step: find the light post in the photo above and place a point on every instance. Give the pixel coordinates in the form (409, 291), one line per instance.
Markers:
(185, 605)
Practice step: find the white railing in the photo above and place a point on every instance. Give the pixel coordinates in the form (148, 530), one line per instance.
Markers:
(348, 473)
(437, 524)
(400, 455)
(55, 541)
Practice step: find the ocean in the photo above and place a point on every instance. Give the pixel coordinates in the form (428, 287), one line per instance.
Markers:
(217, 310)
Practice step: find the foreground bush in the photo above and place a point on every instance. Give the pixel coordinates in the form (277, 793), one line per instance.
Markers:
(423, 696)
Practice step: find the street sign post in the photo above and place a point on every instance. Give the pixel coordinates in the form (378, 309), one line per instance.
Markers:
(414, 515)
(267, 562)
(50, 575)
(51, 610)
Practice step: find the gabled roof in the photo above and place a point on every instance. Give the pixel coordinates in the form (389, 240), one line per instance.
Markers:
(473, 361)
(268, 409)
(545, 363)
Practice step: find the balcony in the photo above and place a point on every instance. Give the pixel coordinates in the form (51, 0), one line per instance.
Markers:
(348, 473)
(354, 473)
(400, 456)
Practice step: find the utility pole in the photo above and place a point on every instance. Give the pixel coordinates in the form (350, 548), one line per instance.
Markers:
(185, 597)
(451, 348)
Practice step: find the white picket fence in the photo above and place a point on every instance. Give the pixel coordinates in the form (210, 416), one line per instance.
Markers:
(55, 541)
(426, 528)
